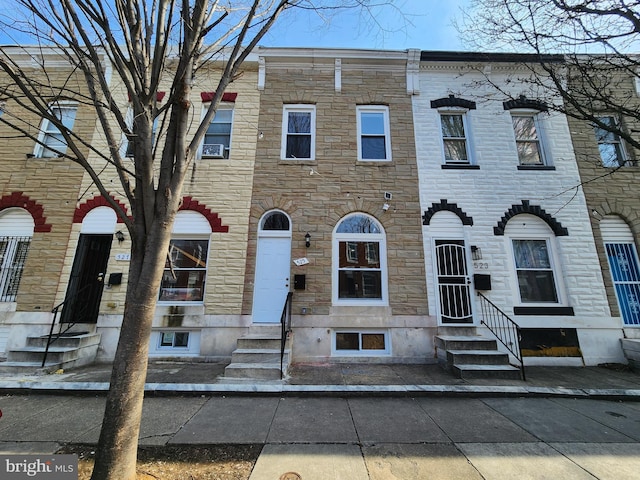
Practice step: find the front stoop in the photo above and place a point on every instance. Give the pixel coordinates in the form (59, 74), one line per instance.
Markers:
(468, 355)
(66, 352)
(631, 349)
(257, 356)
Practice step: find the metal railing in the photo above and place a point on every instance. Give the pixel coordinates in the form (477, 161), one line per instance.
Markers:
(52, 338)
(285, 326)
(504, 328)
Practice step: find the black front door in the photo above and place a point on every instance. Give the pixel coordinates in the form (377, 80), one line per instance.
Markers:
(87, 279)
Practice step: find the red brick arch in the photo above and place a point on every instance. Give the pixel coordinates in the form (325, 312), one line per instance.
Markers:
(20, 200)
(188, 203)
(97, 201)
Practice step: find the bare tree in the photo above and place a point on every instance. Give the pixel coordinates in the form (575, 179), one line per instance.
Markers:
(135, 46)
(579, 48)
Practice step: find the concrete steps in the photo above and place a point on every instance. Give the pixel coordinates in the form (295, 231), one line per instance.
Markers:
(257, 356)
(71, 350)
(631, 349)
(468, 355)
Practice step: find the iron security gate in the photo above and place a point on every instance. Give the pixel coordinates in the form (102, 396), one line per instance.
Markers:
(453, 282)
(13, 255)
(625, 272)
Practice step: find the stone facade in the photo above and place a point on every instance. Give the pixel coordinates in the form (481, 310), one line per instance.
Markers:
(46, 188)
(493, 200)
(611, 193)
(317, 193)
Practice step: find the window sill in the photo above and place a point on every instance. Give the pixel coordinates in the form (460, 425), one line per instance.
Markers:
(555, 311)
(536, 167)
(451, 166)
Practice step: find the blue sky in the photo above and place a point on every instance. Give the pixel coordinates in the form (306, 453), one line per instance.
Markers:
(422, 24)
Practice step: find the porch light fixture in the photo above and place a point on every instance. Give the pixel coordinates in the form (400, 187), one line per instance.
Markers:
(307, 240)
(120, 236)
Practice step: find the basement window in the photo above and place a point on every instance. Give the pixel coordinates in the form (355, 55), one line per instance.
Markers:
(361, 342)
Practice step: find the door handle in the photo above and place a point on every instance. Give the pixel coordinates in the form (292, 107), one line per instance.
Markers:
(101, 277)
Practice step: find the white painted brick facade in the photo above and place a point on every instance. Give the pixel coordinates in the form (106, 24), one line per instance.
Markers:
(487, 193)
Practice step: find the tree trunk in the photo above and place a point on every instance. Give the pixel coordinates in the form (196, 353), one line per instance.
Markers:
(118, 444)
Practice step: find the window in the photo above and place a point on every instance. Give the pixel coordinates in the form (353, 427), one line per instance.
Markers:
(185, 271)
(374, 142)
(359, 342)
(534, 271)
(16, 230)
(217, 140)
(611, 149)
(13, 255)
(360, 261)
(298, 132)
(52, 142)
(173, 340)
(526, 129)
(453, 138)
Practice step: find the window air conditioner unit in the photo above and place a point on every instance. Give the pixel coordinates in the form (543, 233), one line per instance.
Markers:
(213, 150)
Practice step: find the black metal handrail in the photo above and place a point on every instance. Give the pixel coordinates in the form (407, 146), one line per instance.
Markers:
(51, 339)
(503, 327)
(285, 326)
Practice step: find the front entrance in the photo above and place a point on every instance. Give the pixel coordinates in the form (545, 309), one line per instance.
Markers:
(273, 261)
(87, 279)
(453, 282)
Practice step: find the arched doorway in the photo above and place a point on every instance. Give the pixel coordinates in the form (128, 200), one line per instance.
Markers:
(273, 260)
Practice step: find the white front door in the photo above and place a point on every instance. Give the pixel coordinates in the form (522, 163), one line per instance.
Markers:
(272, 278)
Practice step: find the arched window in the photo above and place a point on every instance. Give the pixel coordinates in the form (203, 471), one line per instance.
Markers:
(359, 259)
(16, 230)
(275, 220)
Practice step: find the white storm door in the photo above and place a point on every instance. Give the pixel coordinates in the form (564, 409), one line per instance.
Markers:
(272, 278)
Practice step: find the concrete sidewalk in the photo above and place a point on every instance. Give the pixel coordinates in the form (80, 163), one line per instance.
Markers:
(381, 438)
(354, 421)
(167, 377)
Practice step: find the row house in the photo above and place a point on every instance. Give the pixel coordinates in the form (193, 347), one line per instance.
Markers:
(609, 169)
(380, 202)
(505, 222)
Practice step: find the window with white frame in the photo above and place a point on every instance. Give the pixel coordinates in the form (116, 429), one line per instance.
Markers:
(51, 142)
(185, 269)
(612, 152)
(374, 137)
(16, 231)
(359, 257)
(217, 140)
(175, 343)
(298, 132)
(532, 245)
(526, 128)
(454, 138)
(355, 342)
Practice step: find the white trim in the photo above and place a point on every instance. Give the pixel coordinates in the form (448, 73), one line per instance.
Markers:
(466, 126)
(384, 110)
(16, 222)
(538, 123)
(223, 106)
(360, 352)
(300, 108)
(530, 227)
(335, 270)
(48, 129)
(99, 220)
(192, 349)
